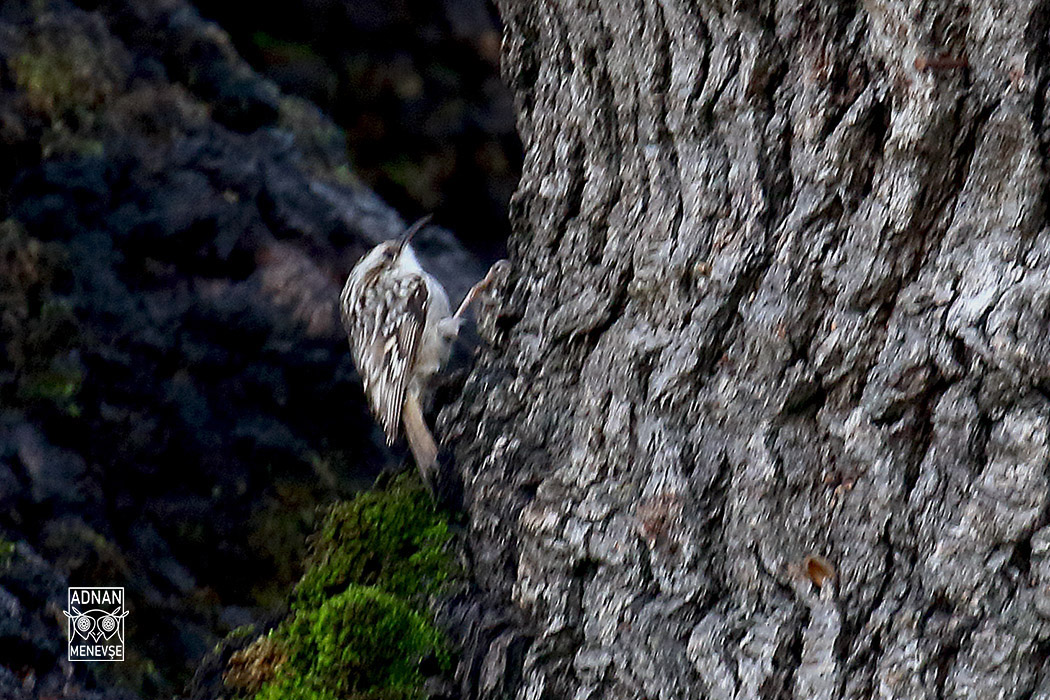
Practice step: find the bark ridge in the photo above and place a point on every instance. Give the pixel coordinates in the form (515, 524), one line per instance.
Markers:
(781, 289)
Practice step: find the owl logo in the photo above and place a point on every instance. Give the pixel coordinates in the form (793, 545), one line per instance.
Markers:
(96, 623)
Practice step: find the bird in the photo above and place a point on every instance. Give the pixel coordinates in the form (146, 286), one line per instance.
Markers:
(397, 319)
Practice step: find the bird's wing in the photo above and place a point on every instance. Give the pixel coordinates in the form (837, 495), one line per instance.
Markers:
(384, 337)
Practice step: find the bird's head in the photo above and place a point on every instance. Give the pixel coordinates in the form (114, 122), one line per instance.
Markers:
(393, 252)
(399, 252)
(392, 255)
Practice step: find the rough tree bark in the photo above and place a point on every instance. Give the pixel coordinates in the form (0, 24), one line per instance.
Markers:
(781, 289)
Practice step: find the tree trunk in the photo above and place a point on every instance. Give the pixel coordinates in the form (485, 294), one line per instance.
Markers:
(781, 290)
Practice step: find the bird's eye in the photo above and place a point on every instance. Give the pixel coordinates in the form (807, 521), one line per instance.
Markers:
(388, 253)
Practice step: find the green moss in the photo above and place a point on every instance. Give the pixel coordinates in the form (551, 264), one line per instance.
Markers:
(61, 73)
(57, 384)
(283, 51)
(361, 643)
(359, 625)
(46, 81)
(406, 173)
(68, 76)
(7, 550)
(345, 176)
(236, 634)
(38, 332)
(392, 539)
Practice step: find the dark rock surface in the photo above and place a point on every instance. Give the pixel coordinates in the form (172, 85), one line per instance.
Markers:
(176, 392)
(415, 83)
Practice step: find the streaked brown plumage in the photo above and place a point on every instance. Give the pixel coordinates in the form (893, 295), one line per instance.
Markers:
(397, 318)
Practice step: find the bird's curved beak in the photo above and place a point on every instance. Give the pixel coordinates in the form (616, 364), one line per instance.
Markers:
(412, 231)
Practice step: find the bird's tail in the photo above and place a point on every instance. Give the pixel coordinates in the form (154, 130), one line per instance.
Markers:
(419, 438)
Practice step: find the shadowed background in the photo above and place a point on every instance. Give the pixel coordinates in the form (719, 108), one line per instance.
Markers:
(176, 395)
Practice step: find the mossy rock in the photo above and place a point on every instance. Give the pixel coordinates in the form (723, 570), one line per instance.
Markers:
(359, 627)
(361, 643)
(251, 668)
(39, 334)
(392, 539)
(7, 549)
(65, 67)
